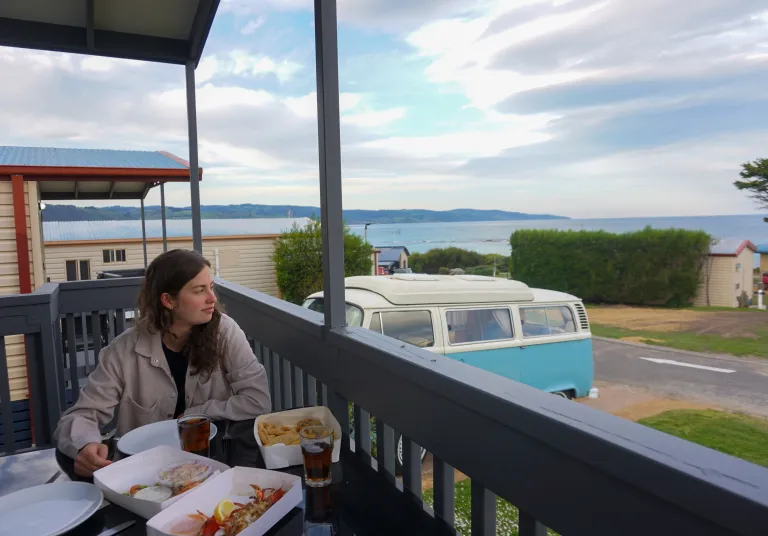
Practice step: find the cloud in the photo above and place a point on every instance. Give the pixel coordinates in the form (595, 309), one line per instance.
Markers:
(579, 107)
(375, 119)
(252, 25)
(241, 63)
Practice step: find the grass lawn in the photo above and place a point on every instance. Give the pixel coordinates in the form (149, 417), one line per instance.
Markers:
(735, 434)
(740, 346)
(506, 514)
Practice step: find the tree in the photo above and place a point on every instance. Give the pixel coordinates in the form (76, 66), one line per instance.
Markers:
(298, 260)
(755, 181)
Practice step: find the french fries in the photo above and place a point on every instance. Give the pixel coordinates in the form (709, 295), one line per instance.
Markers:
(274, 434)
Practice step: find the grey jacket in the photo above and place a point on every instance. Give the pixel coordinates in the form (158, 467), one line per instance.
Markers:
(133, 376)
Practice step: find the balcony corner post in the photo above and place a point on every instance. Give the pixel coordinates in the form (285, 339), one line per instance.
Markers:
(329, 148)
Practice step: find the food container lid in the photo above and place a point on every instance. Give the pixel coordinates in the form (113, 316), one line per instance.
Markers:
(183, 473)
(153, 493)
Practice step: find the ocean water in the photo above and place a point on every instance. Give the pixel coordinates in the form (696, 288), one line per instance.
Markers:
(493, 236)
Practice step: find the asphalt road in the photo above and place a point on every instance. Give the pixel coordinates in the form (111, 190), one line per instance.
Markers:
(735, 383)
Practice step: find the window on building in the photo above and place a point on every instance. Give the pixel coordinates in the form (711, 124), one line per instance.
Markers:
(71, 270)
(738, 267)
(85, 270)
(551, 320)
(113, 255)
(478, 325)
(413, 327)
(78, 270)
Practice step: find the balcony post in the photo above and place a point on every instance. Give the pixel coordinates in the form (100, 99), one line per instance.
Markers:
(329, 145)
(194, 170)
(143, 233)
(162, 216)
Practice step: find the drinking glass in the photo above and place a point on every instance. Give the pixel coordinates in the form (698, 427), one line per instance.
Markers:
(317, 446)
(195, 434)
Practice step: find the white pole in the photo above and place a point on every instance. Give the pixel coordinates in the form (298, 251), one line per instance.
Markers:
(760, 299)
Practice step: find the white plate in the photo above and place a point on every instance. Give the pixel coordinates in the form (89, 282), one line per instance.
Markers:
(151, 436)
(65, 505)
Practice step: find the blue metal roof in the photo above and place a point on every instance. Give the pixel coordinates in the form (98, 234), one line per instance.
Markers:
(102, 158)
(391, 254)
(762, 248)
(59, 231)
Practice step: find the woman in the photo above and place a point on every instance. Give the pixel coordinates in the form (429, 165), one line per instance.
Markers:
(183, 356)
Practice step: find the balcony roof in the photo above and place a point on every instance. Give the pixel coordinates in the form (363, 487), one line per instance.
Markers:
(90, 174)
(168, 31)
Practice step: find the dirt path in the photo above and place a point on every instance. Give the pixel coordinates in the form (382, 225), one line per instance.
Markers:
(724, 323)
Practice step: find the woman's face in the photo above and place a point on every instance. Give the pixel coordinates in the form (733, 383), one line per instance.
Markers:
(195, 301)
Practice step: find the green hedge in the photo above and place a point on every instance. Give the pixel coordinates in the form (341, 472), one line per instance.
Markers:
(648, 267)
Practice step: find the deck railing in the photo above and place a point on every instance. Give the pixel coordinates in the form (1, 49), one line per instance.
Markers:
(565, 466)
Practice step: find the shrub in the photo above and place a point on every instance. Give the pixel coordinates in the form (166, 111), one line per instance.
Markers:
(648, 267)
(435, 259)
(298, 260)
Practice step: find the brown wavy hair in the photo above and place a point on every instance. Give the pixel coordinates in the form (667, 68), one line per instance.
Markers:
(168, 273)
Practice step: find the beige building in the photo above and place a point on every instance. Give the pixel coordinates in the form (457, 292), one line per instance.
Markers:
(239, 250)
(727, 273)
(762, 249)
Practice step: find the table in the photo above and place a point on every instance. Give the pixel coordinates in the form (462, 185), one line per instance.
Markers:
(359, 502)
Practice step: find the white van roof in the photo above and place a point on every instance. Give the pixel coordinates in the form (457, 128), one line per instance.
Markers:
(419, 289)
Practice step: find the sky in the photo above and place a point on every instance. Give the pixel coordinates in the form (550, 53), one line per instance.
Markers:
(582, 108)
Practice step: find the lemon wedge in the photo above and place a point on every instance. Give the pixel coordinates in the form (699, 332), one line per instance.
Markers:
(223, 510)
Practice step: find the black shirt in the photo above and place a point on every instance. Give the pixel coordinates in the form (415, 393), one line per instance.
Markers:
(177, 362)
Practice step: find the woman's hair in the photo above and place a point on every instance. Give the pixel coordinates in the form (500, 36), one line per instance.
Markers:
(168, 273)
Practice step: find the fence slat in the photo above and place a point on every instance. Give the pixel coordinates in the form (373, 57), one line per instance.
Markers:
(385, 447)
(72, 351)
(86, 347)
(444, 490)
(119, 321)
(110, 327)
(411, 467)
(96, 326)
(339, 406)
(287, 384)
(5, 402)
(529, 526)
(267, 356)
(310, 390)
(256, 347)
(298, 387)
(483, 517)
(277, 369)
(362, 433)
(38, 400)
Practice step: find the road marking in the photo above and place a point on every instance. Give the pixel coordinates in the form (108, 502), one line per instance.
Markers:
(689, 365)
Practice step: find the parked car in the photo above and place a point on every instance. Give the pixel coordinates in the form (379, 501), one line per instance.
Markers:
(765, 279)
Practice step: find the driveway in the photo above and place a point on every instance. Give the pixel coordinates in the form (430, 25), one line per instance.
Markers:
(739, 384)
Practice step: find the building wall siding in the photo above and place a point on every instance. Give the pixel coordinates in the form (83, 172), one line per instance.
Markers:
(246, 261)
(9, 275)
(722, 284)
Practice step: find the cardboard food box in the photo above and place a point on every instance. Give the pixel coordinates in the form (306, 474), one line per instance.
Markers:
(143, 468)
(235, 485)
(280, 456)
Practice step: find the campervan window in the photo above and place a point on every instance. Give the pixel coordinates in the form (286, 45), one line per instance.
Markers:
(549, 320)
(413, 327)
(478, 325)
(354, 314)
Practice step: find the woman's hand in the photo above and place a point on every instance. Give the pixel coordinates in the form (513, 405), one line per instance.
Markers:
(91, 457)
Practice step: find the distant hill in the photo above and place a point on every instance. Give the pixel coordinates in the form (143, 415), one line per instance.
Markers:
(352, 217)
